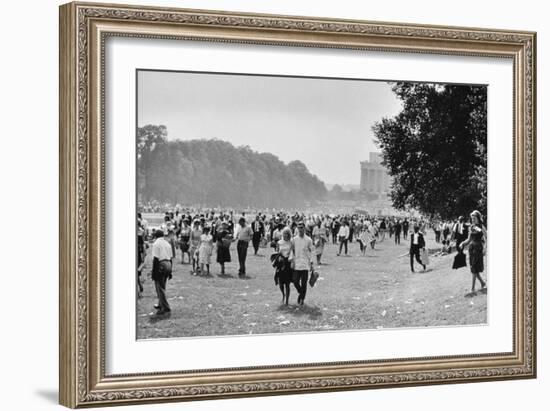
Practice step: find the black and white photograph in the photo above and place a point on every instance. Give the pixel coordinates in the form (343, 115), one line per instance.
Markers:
(280, 204)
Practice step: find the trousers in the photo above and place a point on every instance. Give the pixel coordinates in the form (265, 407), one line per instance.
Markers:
(160, 288)
(415, 254)
(242, 249)
(300, 282)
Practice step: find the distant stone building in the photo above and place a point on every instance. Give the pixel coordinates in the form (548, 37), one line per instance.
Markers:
(374, 176)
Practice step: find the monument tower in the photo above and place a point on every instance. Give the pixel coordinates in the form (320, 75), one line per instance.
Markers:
(374, 176)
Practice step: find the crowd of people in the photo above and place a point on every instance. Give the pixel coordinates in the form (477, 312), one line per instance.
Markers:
(297, 241)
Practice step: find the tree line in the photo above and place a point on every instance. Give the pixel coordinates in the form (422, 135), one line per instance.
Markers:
(214, 173)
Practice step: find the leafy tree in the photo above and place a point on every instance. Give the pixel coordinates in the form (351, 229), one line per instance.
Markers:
(435, 148)
(148, 139)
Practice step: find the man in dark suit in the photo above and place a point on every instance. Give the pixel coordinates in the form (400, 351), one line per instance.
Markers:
(335, 229)
(460, 231)
(417, 243)
(397, 230)
(258, 233)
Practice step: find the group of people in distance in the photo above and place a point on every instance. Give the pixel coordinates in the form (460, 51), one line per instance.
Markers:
(297, 239)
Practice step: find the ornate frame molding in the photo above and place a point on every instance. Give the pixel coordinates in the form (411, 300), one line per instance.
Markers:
(83, 30)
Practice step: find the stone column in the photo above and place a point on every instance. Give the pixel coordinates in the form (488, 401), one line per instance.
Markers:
(371, 179)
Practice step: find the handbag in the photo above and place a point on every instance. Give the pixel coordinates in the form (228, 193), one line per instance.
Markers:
(314, 276)
(459, 260)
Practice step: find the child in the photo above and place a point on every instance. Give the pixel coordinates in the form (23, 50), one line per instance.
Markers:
(205, 249)
(445, 248)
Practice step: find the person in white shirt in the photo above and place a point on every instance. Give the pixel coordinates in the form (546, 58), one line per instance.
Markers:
(162, 270)
(244, 235)
(302, 249)
(343, 236)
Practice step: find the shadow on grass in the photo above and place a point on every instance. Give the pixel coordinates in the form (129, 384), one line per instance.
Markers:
(209, 275)
(426, 271)
(234, 277)
(313, 312)
(153, 319)
(421, 271)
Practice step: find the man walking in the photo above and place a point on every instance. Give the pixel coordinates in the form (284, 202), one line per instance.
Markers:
(258, 233)
(244, 235)
(397, 229)
(302, 249)
(335, 229)
(417, 243)
(343, 235)
(460, 231)
(162, 270)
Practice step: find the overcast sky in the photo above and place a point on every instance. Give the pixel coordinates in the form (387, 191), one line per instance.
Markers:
(325, 123)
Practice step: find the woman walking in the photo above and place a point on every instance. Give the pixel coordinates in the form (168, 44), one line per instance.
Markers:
(364, 239)
(373, 233)
(319, 240)
(185, 237)
(283, 275)
(195, 239)
(382, 230)
(476, 249)
(437, 230)
(205, 250)
(223, 242)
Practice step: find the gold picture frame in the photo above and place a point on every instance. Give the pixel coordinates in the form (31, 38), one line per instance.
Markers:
(83, 30)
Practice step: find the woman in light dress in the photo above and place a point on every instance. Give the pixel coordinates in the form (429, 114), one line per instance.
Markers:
(372, 232)
(364, 238)
(195, 242)
(205, 250)
(319, 239)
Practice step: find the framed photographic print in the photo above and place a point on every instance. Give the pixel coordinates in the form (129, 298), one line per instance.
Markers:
(260, 204)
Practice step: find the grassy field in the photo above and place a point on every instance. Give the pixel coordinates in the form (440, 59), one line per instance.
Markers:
(353, 292)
